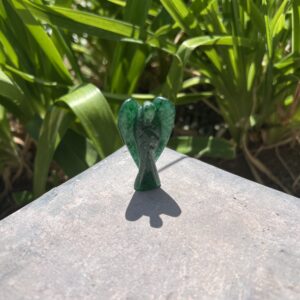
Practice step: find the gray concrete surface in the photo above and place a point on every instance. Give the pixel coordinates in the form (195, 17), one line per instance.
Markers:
(206, 234)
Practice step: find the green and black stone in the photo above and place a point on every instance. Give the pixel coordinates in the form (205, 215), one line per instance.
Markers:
(146, 130)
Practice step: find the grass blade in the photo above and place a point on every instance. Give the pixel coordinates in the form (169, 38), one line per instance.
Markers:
(130, 59)
(9, 89)
(103, 27)
(43, 40)
(175, 74)
(84, 22)
(55, 125)
(182, 15)
(296, 27)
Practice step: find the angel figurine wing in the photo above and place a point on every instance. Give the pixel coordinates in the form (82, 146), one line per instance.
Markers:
(165, 116)
(128, 115)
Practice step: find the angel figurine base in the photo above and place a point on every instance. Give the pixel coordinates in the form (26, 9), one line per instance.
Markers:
(145, 130)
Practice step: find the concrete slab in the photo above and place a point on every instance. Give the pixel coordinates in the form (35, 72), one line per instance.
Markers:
(206, 234)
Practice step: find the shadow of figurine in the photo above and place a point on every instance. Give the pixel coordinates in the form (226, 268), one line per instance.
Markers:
(152, 204)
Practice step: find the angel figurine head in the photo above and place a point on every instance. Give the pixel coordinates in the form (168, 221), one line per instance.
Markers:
(148, 111)
(145, 130)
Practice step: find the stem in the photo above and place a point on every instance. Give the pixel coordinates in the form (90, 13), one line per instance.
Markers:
(256, 163)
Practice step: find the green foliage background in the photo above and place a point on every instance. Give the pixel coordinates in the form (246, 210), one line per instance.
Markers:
(65, 67)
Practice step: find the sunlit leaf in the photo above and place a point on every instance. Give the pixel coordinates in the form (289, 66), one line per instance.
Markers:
(55, 125)
(96, 117)
(43, 40)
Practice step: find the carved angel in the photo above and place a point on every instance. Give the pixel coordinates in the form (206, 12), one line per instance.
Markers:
(146, 130)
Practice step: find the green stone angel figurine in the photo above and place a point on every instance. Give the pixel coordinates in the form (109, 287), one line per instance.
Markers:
(146, 130)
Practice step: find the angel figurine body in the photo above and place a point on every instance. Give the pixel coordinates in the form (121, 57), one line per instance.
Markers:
(146, 130)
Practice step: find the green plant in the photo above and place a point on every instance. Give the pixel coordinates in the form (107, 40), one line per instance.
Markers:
(53, 102)
(58, 110)
(124, 55)
(240, 57)
(249, 53)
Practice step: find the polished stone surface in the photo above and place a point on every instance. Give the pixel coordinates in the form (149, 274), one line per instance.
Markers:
(206, 234)
(146, 129)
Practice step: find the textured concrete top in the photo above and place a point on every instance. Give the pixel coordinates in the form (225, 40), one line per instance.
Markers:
(206, 234)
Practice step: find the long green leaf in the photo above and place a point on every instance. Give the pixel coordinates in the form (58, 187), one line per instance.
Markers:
(9, 89)
(96, 117)
(255, 14)
(55, 125)
(14, 97)
(182, 15)
(276, 19)
(33, 79)
(85, 22)
(75, 153)
(43, 40)
(268, 29)
(8, 49)
(91, 108)
(175, 74)
(130, 59)
(296, 27)
(103, 27)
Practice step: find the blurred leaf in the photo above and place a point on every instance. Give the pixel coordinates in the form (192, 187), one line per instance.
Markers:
(96, 117)
(182, 15)
(296, 27)
(255, 14)
(175, 74)
(8, 49)
(65, 47)
(22, 198)
(103, 27)
(187, 98)
(83, 22)
(203, 146)
(277, 22)
(33, 79)
(129, 60)
(268, 29)
(75, 154)
(8, 150)
(91, 108)
(43, 40)
(55, 125)
(9, 89)
(13, 98)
